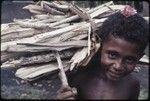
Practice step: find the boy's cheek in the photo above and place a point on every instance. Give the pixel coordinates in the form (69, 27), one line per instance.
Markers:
(129, 69)
(105, 62)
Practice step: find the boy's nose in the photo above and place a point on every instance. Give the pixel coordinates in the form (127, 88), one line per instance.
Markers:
(118, 66)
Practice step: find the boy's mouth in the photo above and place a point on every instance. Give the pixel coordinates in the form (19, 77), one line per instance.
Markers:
(113, 76)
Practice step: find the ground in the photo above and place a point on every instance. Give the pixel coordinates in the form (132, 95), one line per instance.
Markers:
(15, 88)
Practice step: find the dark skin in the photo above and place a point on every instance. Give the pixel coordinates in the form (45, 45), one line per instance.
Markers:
(112, 80)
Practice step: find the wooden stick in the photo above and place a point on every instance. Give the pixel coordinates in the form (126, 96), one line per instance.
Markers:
(82, 14)
(78, 57)
(52, 11)
(80, 37)
(80, 43)
(8, 55)
(36, 59)
(32, 6)
(66, 36)
(89, 40)
(63, 8)
(31, 25)
(53, 18)
(30, 72)
(10, 29)
(62, 74)
(42, 16)
(18, 34)
(23, 49)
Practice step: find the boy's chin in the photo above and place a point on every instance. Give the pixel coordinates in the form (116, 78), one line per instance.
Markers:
(113, 77)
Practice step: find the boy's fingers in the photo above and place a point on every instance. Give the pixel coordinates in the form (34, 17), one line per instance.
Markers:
(64, 89)
(65, 95)
(74, 91)
(71, 98)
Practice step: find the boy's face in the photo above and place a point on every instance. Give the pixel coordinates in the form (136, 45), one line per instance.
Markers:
(118, 57)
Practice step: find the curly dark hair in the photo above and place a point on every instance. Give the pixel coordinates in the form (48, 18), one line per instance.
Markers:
(133, 29)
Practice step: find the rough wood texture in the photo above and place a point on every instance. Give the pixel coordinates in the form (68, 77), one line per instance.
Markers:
(62, 74)
(36, 59)
(33, 72)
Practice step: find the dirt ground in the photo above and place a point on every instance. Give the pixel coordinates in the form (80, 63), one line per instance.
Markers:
(14, 88)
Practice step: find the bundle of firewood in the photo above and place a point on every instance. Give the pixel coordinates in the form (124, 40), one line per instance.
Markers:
(60, 36)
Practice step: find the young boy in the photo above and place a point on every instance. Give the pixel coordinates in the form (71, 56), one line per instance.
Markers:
(124, 37)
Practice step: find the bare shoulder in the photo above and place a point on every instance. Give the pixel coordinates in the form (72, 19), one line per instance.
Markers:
(132, 80)
(134, 86)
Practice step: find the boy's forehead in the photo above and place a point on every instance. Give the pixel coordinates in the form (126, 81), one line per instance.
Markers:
(120, 43)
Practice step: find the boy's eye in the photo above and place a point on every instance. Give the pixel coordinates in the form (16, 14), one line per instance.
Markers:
(112, 55)
(131, 60)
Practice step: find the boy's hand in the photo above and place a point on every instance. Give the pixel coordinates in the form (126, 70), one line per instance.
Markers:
(66, 93)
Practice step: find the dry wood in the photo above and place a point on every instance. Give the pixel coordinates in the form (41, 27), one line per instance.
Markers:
(53, 18)
(63, 8)
(30, 20)
(36, 59)
(78, 57)
(21, 48)
(31, 25)
(51, 10)
(89, 39)
(9, 55)
(76, 16)
(79, 37)
(42, 16)
(81, 58)
(9, 29)
(19, 33)
(85, 61)
(80, 43)
(61, 2)
(82, 14)
(62, 74)
(36, 12)
(32, 72)
(36, 9)
(62, 25)
(65, 36)
(39, 48)
(4, 27)
(42, 36)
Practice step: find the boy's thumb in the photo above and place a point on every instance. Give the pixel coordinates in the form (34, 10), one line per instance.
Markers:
(74, 91)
